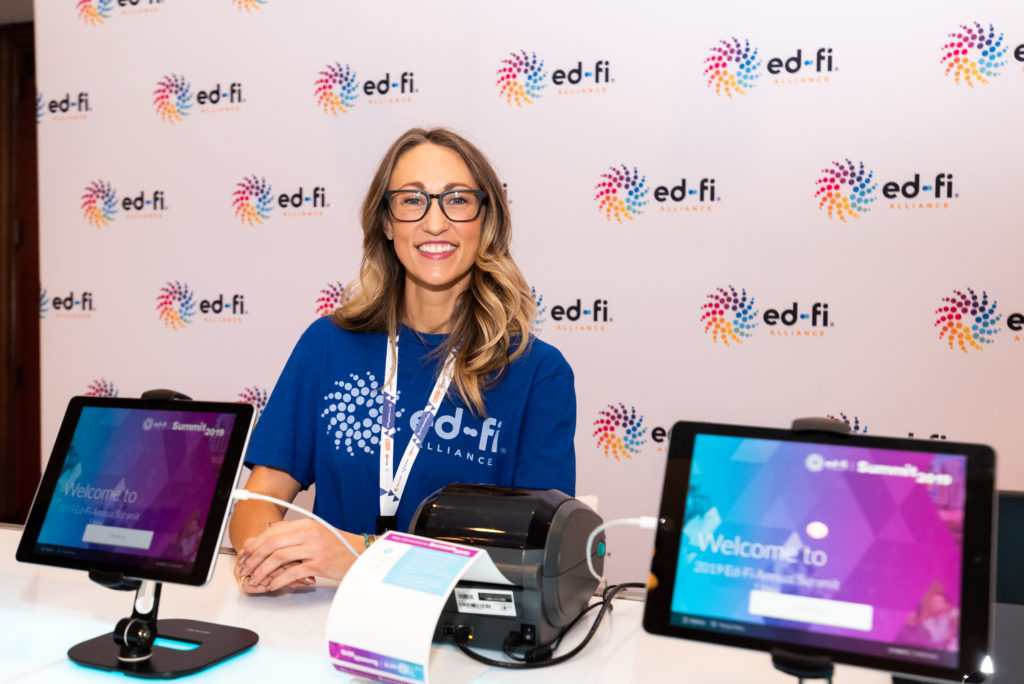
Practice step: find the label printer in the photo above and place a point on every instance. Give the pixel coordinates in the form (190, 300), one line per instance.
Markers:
(537, 541)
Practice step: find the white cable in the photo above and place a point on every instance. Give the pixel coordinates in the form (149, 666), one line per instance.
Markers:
(245, 494)
(646, 522)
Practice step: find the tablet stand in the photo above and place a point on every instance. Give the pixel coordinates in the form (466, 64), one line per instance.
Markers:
(803, 666)
(131, 649)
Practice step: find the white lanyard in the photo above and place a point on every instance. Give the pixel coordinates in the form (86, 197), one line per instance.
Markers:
(391, 485)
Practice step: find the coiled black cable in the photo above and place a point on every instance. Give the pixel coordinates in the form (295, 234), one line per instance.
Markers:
(541, 656)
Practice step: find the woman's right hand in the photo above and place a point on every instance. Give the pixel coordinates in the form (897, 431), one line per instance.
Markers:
(292, 554)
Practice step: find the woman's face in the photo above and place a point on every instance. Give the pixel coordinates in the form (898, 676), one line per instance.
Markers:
(438, 254)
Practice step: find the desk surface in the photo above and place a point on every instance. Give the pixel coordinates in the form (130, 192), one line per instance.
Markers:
(44, 611)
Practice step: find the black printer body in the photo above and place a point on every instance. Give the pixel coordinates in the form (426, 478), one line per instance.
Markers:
(537, 539)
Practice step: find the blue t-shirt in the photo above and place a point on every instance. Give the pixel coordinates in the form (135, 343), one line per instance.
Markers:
(322, 424)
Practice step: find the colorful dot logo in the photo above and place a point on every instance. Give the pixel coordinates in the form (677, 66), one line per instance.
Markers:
(974, 55)
(249, 5)
(99, 203)
(521, 78)
(173, 98)
(257, 396)
(252, 200)
(620, 433)
(622, 194)
(330, 299)
(94, 12)
(336, 89)
(44, 302)
(732, 67)
(965, 321)
(854, 423)
(176, 305)
(101, 388)
(729, 316)
(845, 190)
(540, 316)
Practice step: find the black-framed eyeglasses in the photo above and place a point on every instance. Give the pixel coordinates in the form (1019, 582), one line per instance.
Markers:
(456, 205)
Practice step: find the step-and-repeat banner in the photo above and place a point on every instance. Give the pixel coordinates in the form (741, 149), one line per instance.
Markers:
(746, 212)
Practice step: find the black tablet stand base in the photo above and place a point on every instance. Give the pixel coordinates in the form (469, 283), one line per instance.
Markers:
(131, 648)
(803, 666)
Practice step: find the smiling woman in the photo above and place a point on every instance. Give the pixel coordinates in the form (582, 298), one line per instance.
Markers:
(429, 361)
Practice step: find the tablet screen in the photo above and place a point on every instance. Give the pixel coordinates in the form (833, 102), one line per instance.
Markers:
(137, 486)
(874, 551)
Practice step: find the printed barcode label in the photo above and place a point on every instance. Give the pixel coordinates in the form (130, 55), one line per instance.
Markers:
(485, 601)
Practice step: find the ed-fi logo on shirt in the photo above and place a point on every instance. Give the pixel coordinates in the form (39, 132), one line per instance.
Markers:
(450, 427)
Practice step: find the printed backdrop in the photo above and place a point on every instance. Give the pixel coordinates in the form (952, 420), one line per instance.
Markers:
(744, 213)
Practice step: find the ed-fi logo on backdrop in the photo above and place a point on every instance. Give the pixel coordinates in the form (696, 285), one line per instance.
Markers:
(574, 316)
(336, 89)
(731, 317)
(967, 321)
(174, 96)
(621, 433)
(387, 91)
(331, 297)
(853, 423)
(908, 193)
(101, 388)
(521, 78)
(253, 199)
(177, 304)
(99, 203)
(64, 108)
(622, 193)
(540, 316)
(70, 305)
(732, 67)
(845, 190)
(94, 12)
(249, 5)
(974, 55)
(257, 396)
(797, 68)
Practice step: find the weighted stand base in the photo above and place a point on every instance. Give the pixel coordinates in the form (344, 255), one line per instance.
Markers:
(213, 644)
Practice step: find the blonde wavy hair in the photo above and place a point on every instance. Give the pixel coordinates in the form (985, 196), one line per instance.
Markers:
(490, 325)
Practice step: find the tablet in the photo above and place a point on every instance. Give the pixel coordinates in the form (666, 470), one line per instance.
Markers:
(139, 487)
(873, 551)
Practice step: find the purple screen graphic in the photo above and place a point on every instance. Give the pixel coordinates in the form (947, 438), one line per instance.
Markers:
(839, 547)
(137, 484)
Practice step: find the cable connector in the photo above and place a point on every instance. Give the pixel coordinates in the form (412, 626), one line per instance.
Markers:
(246, 495)
(645, 522)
